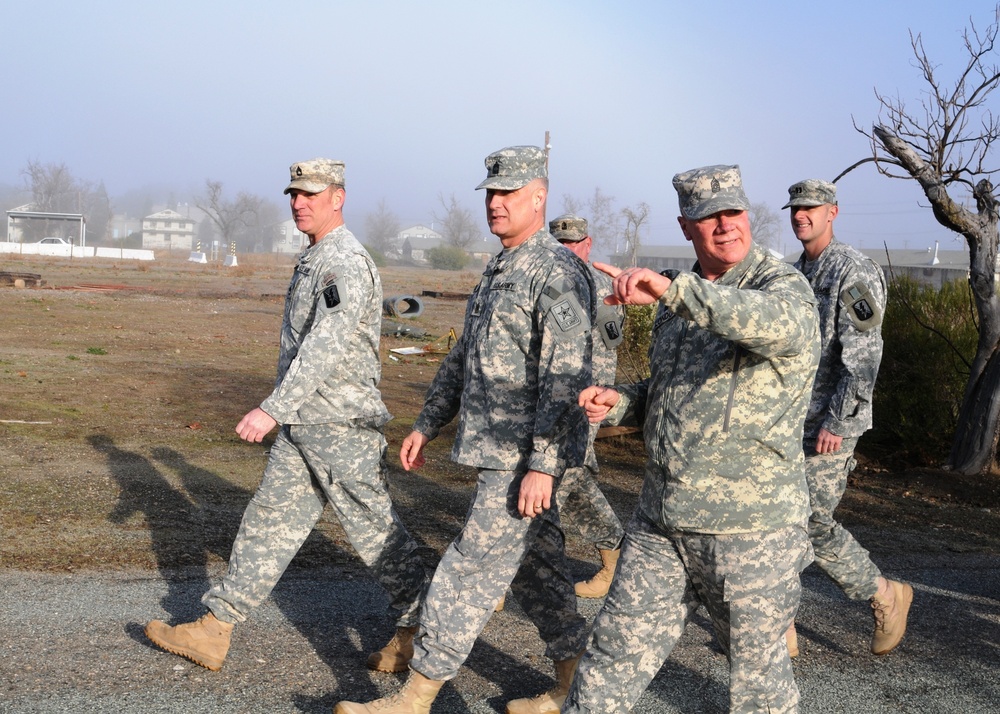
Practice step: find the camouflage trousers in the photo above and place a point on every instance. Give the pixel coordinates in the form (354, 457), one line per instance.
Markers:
(582, 504)
(837, 553)
(749, 583)
(308, 466)
(477, 568)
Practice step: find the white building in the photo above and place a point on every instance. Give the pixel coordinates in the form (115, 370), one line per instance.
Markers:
(168, 229)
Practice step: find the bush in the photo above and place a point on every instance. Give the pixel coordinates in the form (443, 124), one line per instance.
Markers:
(378, 257)
(922, 378)
(447, 257)
(633, 352)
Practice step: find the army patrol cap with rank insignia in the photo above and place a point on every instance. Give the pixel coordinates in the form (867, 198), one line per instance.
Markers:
(811, 192)
(709, 190)
(568, 228)
(513, 168)
(315, 175)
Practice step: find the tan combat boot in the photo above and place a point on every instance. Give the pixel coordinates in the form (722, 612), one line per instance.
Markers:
(551, 701)
(598, 585)
(415, 697)
(792, 640)
(890, 617)
(204, 641)
(395, 656)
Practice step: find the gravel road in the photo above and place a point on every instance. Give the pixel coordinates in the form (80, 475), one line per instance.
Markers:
(74, 643)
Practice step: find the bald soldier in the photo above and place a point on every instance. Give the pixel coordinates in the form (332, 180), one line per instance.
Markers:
(512, 382)
(329, 447)
(851, 293)
(722, 512)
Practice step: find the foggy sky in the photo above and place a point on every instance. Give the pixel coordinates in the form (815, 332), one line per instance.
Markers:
(412, 96)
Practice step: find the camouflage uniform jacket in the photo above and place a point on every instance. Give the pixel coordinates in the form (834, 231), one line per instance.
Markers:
(731, 371)
(328, 364)
(851, 294)
(524, 356)
(607, 337)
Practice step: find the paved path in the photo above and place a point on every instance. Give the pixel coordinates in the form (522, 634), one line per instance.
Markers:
(74, 643)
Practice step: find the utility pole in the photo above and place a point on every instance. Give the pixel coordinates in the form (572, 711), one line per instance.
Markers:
(546, 148)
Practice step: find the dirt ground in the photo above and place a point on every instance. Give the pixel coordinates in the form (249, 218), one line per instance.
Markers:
(121, 383)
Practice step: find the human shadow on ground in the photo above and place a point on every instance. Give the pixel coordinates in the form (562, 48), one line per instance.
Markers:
(212, 507)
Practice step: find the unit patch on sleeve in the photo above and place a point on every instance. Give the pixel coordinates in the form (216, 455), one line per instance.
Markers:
(333, 294)
(861, 307)
(610, 322)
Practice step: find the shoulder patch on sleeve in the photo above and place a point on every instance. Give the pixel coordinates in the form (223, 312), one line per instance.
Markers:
(565, 309)
(861, 307)
(333, 296)
(610, 321)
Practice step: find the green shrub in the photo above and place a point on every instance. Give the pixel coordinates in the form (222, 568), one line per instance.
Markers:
(633, 352)
(922, 378)
(378, 257)
(447, 257)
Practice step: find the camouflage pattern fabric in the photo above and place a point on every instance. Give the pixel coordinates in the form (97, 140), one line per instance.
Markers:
(581, 502)
(477, 568)
(851, 295)
(749, 583)
(732, 364)
(848, 366)
(520, 364)
(328, 365)
(722, 512)
(838, 554)
(308, 466)
(331, 446)
(512, 379)
(710, 189)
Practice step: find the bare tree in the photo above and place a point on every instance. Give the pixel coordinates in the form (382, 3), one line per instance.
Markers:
(229, 216)
(261, 224)
(604, 220)
(458, 226)
(765, 225)
(382, 229)
(944, 145)
(634, 218)
(54, 189)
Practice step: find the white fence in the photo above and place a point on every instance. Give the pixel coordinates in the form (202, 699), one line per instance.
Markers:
(75, 251)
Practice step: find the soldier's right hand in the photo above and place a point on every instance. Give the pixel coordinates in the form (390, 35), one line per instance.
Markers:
(597, 402)
(411, 454)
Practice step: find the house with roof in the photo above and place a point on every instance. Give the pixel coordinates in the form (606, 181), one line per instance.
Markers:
(415, 241)
(168, 230)
(288, 239)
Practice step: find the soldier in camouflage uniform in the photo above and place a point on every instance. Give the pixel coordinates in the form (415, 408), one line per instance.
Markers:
(330, 446)
(579, 497)
(851, 293)
(512, 381)
(721, 519)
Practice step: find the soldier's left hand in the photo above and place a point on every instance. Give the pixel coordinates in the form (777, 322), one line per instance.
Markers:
(255, 425)
(536, 494)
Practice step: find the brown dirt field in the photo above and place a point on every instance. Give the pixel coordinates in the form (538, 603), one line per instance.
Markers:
(121, 383)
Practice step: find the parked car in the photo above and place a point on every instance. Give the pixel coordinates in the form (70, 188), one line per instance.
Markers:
(53, 241)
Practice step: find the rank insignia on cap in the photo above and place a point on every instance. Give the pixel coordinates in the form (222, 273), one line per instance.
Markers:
(715, 185)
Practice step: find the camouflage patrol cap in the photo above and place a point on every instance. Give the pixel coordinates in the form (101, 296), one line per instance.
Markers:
(710, 189)
(514, 167)
(568, 228)
(811, 192)
(315, 175)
